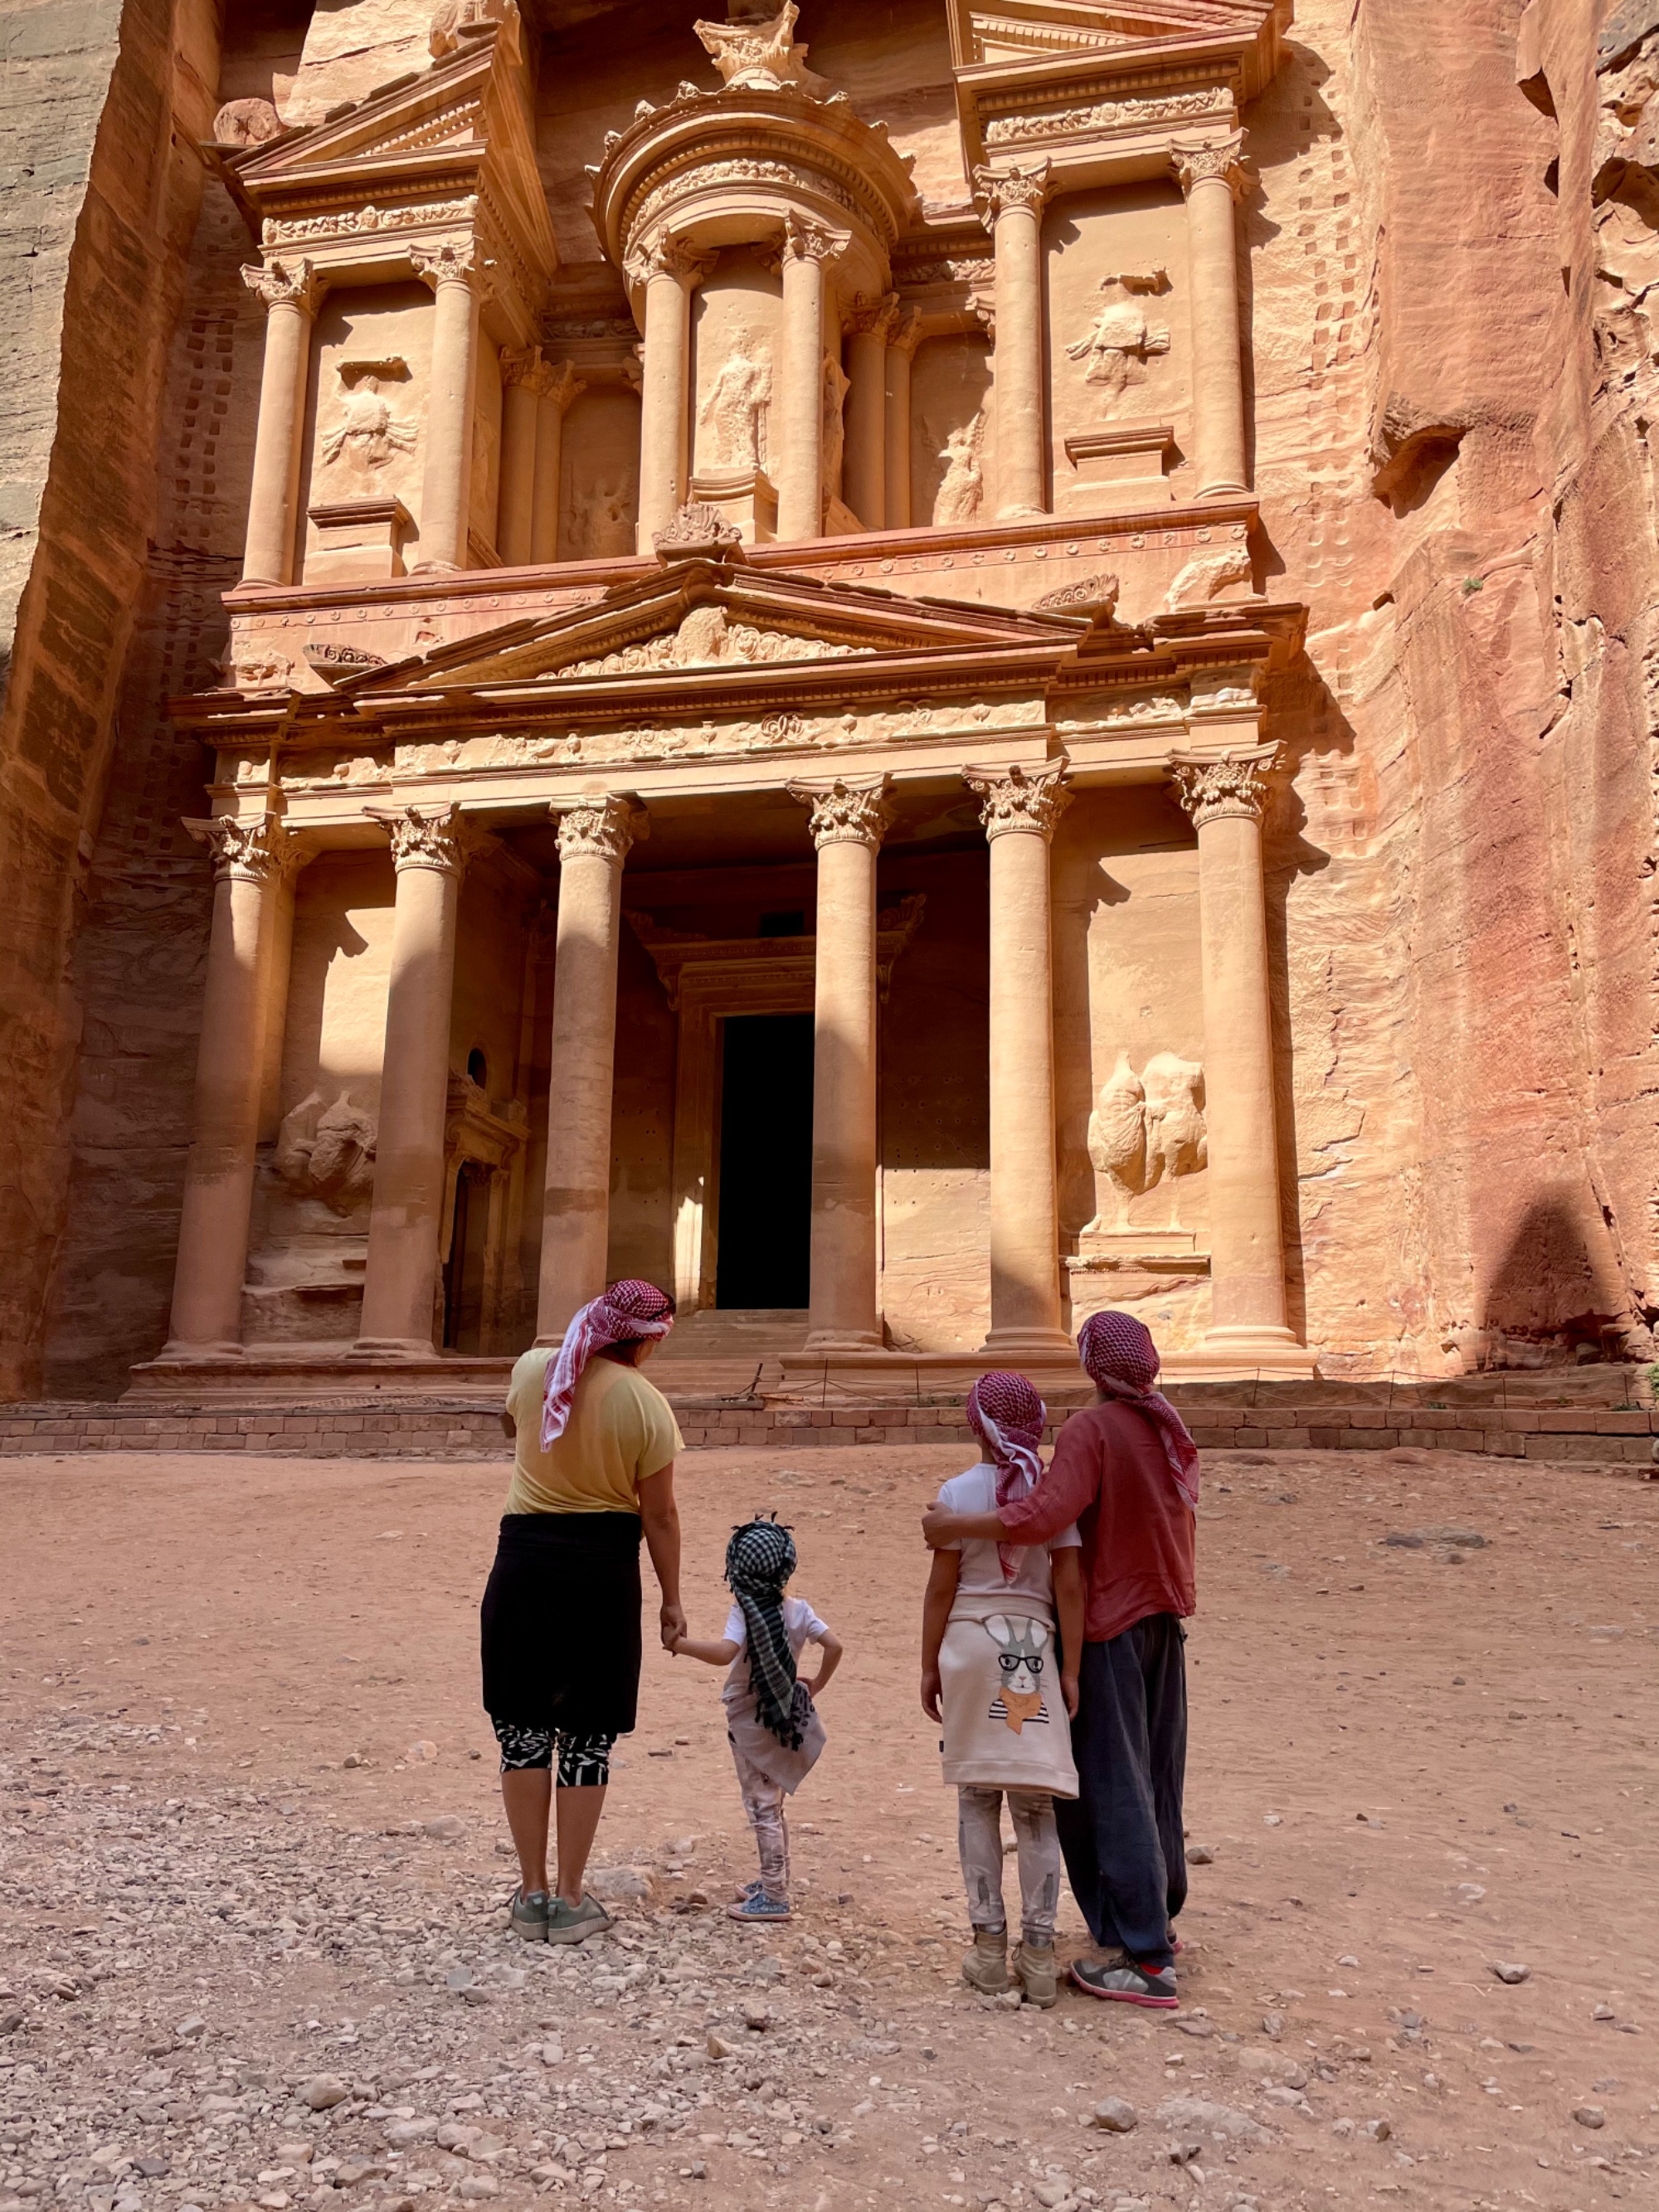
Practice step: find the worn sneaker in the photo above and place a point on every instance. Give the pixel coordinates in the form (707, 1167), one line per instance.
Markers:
(574, 1923)
(1039, 1980)
(986, 1966)
(759, 1906)
(527, 1916)
(1128, 1983)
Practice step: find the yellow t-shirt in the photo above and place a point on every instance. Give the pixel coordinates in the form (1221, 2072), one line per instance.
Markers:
(621, 1430)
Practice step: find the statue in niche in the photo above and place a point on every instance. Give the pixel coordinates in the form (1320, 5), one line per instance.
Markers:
(836, 384)
(1145, 1129)
(327, 1153)
(735, 412)
(1116, 347)
(962, 485)
(365, 434)
(601, 522)
(759, 54)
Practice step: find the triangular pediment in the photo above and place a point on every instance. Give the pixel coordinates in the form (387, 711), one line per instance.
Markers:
(1026, 47)
(708, 618)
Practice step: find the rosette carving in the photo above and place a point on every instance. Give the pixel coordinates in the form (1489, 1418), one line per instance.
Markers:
(1029, 800)
(847, 811)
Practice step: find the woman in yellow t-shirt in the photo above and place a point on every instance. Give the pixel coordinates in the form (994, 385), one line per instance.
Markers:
(592, 1470)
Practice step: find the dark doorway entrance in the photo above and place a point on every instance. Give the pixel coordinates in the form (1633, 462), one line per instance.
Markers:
(464, 1270)
(766, 1161)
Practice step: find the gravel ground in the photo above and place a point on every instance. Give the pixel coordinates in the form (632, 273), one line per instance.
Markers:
(252, 1949)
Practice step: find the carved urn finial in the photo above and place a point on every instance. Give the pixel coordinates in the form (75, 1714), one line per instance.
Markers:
(697, 532)
(759, 54)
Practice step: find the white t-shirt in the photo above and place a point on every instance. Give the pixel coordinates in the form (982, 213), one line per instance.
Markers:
(800, 1624)
(982, 1575)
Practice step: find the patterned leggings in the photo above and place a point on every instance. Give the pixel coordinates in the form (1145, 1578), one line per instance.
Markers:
(1036, 1839)
(584, 1760)
(762, 1800)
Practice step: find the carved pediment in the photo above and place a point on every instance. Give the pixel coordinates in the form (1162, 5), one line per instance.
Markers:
(706, 637)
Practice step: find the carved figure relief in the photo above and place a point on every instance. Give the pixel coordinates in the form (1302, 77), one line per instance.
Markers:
(706, 634)
(1204, 575)
(600, 520)
(836, 385)
(1145, 1129)
(761, 57)
(327, 1152)
(252, 667)
(246, 122)
(734, 414)
(962, 487)
(1114, 350)
(365, 434)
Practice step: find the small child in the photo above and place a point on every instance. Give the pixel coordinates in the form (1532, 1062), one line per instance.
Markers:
(987, 1653)
(771, 1721)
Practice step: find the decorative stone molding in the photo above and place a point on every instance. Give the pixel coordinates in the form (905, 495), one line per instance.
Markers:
(449, 262)
(1090, 595)
(804, 241)
(280, 283)
(695, 532)
(1213, 790)
(1107, 115)
(601, 829)
(846, 811)
(248, 848)
(425, 837)
(367, 221)
(1012, 187)
(1030, 800)
(1221, 161)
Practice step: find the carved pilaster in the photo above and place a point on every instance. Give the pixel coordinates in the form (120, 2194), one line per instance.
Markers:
(1221, 160)
(600, 828)
(848, 811)
(426, 837)
(1013, 187)
(1029, 800)
(1211, 790)
(249, 848)
(278, 283)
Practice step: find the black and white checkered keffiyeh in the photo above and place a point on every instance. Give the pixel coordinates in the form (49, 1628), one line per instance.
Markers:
(759, 1560)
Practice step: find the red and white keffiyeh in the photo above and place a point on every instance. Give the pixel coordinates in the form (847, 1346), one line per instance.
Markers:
(1006, 1413)
(628, 1310)
(1121, 1359)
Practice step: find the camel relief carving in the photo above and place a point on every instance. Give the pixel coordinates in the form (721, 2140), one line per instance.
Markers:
(1145, 1129)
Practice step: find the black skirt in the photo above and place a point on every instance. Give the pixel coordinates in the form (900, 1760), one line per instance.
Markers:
(560, 1623)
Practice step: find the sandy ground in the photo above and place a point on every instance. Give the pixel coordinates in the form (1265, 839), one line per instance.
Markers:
(228, 1874)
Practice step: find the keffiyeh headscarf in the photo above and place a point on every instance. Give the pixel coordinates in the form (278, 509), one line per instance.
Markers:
(759, 1560)
(1121, 1359)
(628, 1310)
(1006, 1413)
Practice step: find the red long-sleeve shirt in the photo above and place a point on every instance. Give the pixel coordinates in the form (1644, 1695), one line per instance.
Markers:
(1110, 1475)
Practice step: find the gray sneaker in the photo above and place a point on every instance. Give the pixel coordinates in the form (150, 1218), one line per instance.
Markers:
(529, 1915)
(1128, 1983)
(574, 1923)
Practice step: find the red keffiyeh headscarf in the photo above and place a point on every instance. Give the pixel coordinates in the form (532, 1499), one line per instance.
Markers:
(1121, 1359)
(628, 1310)
(1006, 1413)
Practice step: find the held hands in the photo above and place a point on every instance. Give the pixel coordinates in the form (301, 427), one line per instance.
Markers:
(931, 1692)
(673, 1626)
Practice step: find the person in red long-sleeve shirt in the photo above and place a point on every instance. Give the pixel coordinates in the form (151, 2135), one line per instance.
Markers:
(1126, 1471)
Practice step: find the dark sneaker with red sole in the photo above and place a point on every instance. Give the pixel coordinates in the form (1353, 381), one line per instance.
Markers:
(1128, 1984)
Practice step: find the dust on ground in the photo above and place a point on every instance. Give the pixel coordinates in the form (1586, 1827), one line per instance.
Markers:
(251, 1922)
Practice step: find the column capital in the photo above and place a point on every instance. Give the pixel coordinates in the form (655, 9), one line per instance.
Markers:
(1015, 798)
(1219, 159)
(450, 263)
(250, 848)
(279, 283)
(523, 367)
(1212, 790)
(875, 318)
(805, 241)
(425, 837)
(601, 829)
(1016, 186)
(848, 811)
(561, 384)
(905, 336)
(666, 256)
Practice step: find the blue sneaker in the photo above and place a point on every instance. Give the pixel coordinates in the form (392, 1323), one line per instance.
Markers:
(759, 1906)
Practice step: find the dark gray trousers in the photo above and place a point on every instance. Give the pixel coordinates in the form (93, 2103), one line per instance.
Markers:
(1121, 1835)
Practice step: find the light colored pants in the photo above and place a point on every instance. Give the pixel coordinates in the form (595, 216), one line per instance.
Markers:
(762, 1802)
(1036, 1839)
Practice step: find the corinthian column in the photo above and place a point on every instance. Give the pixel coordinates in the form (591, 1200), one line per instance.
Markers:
(902, 344)
(1211, 177)
(863, 471)
(291, 292)
(1013, 216)
(848, 820)
(560, 386)
(671, 270)
(798, 413)
(248, 859)
(1019, 809)
(446, 483)
(522, 378)
(1247, 1257)
(429, 854)
(594, 839)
